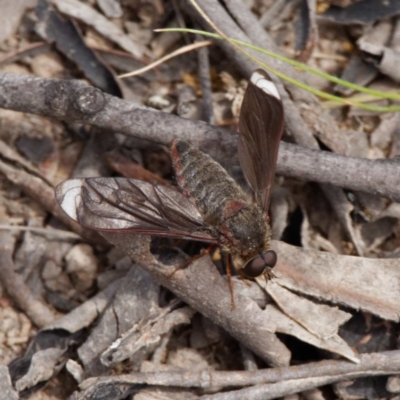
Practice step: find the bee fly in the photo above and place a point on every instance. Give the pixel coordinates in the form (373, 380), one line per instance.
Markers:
(212, 208)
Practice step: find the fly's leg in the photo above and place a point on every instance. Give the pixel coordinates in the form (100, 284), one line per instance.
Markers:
(208, 250)
(269, 274)
(230, 282)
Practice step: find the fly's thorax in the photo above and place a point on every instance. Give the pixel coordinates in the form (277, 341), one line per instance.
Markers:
(204, 181)
(240, 225)
(246, 233)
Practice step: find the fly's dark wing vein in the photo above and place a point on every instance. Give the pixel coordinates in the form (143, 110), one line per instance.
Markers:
(260, 128)
(130, 205)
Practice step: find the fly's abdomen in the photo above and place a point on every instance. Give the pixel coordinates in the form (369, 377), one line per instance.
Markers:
(204, 181)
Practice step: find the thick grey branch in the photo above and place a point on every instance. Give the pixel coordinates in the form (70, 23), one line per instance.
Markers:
(76, 102)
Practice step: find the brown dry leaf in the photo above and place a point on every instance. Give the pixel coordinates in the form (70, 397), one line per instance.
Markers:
(82, 264)
(362, 12)
(360, 283)
(147, 335)
(287, 325)
(43, 365)
(15, 329)
(84, 315)
(319, 219)
(375, 37)
(111, 8)
(12, 156)
(356, 71)
(375, 233)
(75, 369)
(135, 301)
(376, 44)
(88, 15)
(279, 211)
(11, 14)
(313, 323)
(6, 388)
(188, 359)
(342, 208)
(46, 353)
(311, 239)
(47, 65)
(383, 135)
(68, 40)
(389, 58)
(321, 320)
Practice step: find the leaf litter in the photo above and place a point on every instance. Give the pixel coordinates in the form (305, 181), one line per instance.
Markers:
(133, 323)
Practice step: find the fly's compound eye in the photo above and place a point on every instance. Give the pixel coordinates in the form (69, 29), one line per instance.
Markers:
(270, 258)
(256, 266)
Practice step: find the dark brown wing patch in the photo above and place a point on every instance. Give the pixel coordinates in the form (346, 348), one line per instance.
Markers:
(260, 128)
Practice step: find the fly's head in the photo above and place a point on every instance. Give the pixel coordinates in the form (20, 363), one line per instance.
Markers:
(253, 262)
(260, 264)
(247, 236)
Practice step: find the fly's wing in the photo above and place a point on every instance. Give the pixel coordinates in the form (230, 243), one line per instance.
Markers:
(130, 205)
(260, 128)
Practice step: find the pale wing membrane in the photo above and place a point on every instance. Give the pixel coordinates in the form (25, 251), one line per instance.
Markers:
(260, 127)
(130, 205)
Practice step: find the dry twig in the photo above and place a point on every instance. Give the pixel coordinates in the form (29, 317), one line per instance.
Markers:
(39, 313)
(280, 381)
